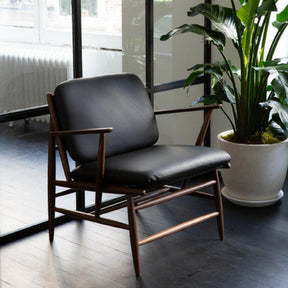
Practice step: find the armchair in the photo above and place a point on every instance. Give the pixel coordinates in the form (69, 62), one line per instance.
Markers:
(108, 127)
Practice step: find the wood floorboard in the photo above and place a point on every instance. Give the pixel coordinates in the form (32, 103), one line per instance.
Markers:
(254, 253)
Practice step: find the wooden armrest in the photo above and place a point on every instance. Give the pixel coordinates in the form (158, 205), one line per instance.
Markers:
(181, 110)
(82, 131)
(101, 151)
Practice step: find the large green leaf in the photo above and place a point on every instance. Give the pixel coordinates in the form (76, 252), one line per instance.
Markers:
(219, 67)
(242, 2)
(280, 86)
(251, 9)
(208, 100)
(221, 18)
(236, 71)
(224, 92)
(247, 14)
(278, 111)
(275, 62)
(267, 6)
(198, 66)
(283, 15)
(243, 14)
(281, 19)
(217, 38)
(275, 66)
(214, 69)
(192, 77)
(277, 130)
(280, 25)
(278, 68)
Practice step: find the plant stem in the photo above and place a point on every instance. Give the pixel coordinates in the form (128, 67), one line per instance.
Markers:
(231, 77)
(240, 112)
(275, 42)
(229, 119)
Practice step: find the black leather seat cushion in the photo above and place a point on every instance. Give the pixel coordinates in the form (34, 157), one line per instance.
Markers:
(155, 165)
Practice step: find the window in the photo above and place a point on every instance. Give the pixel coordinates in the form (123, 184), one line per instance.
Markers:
(17, 13)
(49, 21)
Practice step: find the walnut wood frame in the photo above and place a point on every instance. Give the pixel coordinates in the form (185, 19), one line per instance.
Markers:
(134, 199)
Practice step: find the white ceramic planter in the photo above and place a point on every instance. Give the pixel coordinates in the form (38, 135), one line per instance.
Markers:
(257, 172)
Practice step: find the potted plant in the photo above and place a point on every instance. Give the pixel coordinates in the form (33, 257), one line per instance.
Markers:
(255, 85)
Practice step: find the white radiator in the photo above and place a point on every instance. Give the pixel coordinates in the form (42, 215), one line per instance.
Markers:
(26, 75)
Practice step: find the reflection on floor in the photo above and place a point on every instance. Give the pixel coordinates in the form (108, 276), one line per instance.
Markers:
(23, 174)
(254, 253)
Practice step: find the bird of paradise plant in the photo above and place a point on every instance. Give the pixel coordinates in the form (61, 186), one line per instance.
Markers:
(257, 89)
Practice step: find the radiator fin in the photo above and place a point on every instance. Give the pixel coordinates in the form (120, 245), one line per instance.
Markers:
(26, 75)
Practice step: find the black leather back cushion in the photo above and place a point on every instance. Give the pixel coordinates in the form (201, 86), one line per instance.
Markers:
(119, 101)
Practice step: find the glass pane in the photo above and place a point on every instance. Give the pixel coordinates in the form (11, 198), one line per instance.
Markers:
(102, 16)
(17, 13)
(58, 14)
(97, 15)
(134, 37)
(27, 72)
(55, 22)
(173, 57)
(101, 21)
(179, 128)
(102, 37)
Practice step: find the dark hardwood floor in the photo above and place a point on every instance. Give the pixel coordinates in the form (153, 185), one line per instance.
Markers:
(253, 255)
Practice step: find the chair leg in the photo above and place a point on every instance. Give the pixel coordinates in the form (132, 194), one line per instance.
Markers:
(51, 185)
(98, 203)
(80, 200)
(80, 203)
(133, 235)
(51, 212)
(219, 206)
